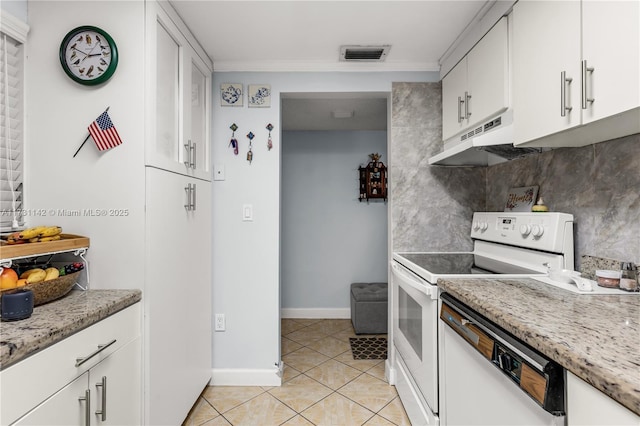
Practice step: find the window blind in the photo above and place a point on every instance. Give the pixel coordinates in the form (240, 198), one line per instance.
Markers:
(11, 132)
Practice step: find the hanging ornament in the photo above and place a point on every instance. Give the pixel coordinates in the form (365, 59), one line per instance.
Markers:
(250, 135)
(269, 142)
(234, 142)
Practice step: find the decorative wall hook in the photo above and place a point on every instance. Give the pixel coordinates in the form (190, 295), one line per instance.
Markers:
(234, 142)
(269, 142)
(250, 135)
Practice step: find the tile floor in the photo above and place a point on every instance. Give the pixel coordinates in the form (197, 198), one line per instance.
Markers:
(322, 385)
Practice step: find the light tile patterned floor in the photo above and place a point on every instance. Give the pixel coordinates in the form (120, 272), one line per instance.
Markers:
(322, 385)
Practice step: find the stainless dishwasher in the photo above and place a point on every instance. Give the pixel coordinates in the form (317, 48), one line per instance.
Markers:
(489, 377)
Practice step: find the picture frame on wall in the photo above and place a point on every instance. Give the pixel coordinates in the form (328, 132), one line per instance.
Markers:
(231, 94)
(259, 96)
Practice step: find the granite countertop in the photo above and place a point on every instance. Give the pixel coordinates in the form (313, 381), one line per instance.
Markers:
(52, 322)
(596, 337)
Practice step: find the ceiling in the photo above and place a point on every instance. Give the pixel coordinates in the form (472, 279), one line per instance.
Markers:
(306, 35)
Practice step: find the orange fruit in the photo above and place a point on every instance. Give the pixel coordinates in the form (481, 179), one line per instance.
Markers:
(8, 278)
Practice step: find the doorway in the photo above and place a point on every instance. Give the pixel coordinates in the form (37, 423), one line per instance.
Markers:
(329, 238)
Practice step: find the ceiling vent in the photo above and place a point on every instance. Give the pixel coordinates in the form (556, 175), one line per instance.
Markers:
(364, 53)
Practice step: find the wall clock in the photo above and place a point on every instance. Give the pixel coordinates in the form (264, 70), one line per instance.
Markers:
(88, 55)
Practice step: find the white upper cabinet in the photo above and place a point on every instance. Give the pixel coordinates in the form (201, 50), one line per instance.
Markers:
(179, 104)
(197, 112)
(477, 88)
(574, 63)
(611, 46)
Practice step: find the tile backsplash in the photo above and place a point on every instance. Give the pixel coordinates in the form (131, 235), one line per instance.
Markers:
(599, 184)
(431, 207)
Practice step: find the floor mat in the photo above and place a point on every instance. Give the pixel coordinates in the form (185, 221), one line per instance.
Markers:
(368, 347)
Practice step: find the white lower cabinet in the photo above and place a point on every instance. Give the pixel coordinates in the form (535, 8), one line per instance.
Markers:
(587, 406)
(50, 388)
(108, 394)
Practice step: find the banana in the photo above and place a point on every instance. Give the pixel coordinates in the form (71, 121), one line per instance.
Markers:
(52, 274)
(50, 231)
(45, 239)
(36, 276)
(29, 233)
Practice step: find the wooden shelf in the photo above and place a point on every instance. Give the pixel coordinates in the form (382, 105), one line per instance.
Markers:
(68, 242)
(373, 181)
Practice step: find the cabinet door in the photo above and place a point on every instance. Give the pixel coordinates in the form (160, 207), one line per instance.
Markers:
(454, 86)
(64, 408)
(611, 45)
(546, 42)
(587, 406)
(115, 386)
(177, 295)
(165, 91)
(488, 80)
(197, 114)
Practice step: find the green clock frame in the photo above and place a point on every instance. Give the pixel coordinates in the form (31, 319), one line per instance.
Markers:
(111, 68)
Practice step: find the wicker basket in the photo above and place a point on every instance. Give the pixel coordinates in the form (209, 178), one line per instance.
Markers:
(47, 291)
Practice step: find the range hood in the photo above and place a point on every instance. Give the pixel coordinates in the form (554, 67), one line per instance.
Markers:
(487, 144)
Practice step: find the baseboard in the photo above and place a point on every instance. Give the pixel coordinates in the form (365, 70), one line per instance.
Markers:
(325, 313)
(245, 377)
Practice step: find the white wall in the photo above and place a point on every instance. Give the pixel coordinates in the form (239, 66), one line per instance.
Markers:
(59, 111)
(329, 238)
(246, 256)
(18, 8)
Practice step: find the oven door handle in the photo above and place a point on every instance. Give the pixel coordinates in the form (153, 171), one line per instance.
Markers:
(416, 284)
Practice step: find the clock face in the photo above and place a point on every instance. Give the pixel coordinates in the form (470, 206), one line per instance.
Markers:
(88, 55)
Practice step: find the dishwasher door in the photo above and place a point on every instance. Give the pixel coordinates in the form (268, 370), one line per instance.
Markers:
(473, 389)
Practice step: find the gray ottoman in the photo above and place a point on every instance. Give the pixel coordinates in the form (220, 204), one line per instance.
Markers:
(369, 308)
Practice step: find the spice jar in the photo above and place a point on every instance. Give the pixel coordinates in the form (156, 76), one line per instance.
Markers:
(629, 277)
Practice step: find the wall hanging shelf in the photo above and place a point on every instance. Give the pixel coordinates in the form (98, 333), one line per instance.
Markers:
(373, 180)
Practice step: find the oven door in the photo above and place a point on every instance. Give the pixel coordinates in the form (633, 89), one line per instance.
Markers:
(415, 328)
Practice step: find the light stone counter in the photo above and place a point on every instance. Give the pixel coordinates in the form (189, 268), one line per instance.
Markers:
(595, 337)
(52, 322)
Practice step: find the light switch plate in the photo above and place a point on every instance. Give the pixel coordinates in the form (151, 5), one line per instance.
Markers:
(247, 212)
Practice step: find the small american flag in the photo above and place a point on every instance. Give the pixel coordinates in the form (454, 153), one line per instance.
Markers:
(104, 133)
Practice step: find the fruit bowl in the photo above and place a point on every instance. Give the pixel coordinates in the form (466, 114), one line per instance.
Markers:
(47, 291)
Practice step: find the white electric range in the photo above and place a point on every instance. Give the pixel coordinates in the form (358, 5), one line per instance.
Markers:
(511, 245)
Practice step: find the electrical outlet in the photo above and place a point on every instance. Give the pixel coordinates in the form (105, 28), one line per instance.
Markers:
(220, 322)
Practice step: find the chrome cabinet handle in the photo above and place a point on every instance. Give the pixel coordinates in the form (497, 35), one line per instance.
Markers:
(187, 147)
(190, 189)
(467, 112)
(103, 411)
(585, 70)
(190, 147)
(193, 197)
(188, 206)
(564, 81)
(80, 361)
(460, 102)
(87, 407)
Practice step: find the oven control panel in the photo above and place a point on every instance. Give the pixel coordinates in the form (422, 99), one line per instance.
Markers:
(541, 231)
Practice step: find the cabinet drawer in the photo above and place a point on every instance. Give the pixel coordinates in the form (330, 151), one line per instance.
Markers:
(29, 382)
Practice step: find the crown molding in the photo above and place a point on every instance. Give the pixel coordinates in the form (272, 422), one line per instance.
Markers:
(318, 66)
(13, 27)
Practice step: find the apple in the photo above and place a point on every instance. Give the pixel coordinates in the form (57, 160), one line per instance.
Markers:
(8, 278)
